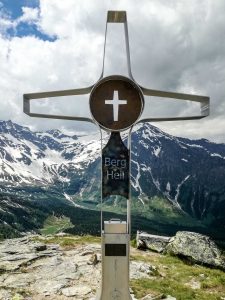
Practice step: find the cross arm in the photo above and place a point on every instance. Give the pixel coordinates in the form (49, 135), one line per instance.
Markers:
(41, 95)
(203, 100)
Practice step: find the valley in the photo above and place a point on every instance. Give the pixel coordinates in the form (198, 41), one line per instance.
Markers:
(176, 183)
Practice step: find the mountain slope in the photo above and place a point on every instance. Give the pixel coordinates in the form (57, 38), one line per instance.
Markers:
(43, 165)
(188, 173)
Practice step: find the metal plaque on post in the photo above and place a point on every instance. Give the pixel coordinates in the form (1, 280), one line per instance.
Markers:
(115, 167)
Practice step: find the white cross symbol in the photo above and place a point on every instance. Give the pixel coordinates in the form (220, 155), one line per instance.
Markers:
(115, 102)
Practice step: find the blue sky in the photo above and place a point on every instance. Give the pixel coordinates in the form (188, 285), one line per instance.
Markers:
(175, 45)
(13, 10)
(14, 7)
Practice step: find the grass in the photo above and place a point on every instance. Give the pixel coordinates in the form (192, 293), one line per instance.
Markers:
(179, 279)
(17, 297)
(53, 225)
(69, 240)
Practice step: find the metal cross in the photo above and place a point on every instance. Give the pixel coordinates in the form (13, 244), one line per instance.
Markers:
(116, 102)
(118, 17)
(119, 237)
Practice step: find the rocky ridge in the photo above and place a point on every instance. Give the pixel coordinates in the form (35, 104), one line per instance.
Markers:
(64, 267)
(34, 270)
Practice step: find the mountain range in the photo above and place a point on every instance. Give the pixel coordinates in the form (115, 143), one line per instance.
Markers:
(41, 171)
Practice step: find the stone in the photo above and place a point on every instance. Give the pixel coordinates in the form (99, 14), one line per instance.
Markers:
(194, 284)
(86, 253)
(170, 298)
(76, 291)
(93, 260)
(15, 253)
(196, 248)
(142, 270)
(5, 294)
(18, 280)
(40, 247)
(151, 242)
(153, 297)
(148, 297)
(48, 287)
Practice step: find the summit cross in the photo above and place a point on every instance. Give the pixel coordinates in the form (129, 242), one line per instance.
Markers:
(116, 233)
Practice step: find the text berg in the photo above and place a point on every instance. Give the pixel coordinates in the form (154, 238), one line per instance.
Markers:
(120, 163)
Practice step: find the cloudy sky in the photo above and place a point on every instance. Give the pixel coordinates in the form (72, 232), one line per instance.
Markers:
(176, 45)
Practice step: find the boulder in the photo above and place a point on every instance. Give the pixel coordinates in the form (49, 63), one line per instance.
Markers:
(152, 242)
(196, 248)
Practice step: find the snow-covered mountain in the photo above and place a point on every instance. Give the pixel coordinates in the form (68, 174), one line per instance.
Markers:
(41, 158)
(189, 173)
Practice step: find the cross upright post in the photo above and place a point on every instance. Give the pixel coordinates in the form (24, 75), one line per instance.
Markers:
(116, 103)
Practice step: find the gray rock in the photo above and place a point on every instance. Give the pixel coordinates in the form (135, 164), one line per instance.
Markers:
(80, 290)
(5, 294)
(46, 270)
(196, 248)
(15, 253)
(18, 280)
(148, 297)
(40, 247)
(142, 270)
(48, 287)
(151, 242)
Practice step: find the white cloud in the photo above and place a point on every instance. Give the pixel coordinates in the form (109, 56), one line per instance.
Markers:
(175, 45)
(30, 15)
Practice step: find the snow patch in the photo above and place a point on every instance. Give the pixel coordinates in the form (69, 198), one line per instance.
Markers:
(70, 199)
(136, 184)
(168, 187)
(178, 190)
(157, 151)
(217, 155)
(195, 146)
(183, 159)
